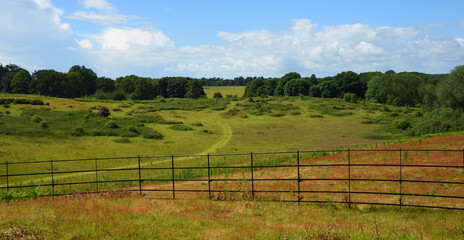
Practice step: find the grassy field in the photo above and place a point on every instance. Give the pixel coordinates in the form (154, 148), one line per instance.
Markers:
(124, 217)
(225, 91)
(74, 131)
(184, 126)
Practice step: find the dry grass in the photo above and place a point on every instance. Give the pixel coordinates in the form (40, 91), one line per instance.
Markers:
(131, 217)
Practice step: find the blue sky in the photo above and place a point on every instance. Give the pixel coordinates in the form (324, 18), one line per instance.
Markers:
(232, 38)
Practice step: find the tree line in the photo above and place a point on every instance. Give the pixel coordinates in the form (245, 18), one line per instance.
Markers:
(400, 89)
(80, 81)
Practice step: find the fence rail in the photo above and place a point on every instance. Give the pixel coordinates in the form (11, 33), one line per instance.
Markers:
(430, 178)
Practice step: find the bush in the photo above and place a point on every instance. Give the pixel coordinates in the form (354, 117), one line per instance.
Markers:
(133, 129)
(111, 124)
(43, 124)
(217, 95)
(180, 127)
(36, 119)
(277, 114)
(316, 116)
(152, 134)
(104, 112)
(78, 131)
(402, 124)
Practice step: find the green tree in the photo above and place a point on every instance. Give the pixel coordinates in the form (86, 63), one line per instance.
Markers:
(46, 82)
(20, 82)
(280, 88)
(194, 89)
(451, 90)
(89, 78)
(296, 87)
(144, 89)
(350, 82)
(255, 88)
(105, 84)
(72, 86)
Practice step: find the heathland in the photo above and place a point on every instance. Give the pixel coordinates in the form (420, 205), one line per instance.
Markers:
(224, 119)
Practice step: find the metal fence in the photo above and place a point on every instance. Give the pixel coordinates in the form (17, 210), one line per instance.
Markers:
(430, 178)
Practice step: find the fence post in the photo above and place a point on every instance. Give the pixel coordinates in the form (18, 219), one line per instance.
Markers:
(401, 179)
(7, 178)
(53, 180)
(96, 174)
(173, 185)
(140, 178)
(209, 179)
(349, 179)
(299, 180)
(252, 178)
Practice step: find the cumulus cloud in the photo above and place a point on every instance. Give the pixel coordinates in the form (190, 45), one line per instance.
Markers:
(55, 12)
(304, 47)
(34, 35)
(85, 44)
(132, 39)
(98, 4)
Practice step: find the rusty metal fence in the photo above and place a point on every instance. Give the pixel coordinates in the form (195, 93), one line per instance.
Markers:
(429, 178)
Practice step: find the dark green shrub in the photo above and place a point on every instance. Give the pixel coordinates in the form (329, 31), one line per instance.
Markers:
(104, 112)
(43, 124)
(152, 134)
(180, 127)
(217, 95)
(36, 119)
(197, 124)
(316, 116)
(111, 124)
(402, 124)
(133, 129)
(295, 113)
(78, 131)
(277, 114)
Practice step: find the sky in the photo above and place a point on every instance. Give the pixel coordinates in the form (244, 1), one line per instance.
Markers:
(219, 38)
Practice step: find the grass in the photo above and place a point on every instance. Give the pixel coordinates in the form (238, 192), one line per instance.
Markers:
(217, 126)
(225, 91)
(126, 217)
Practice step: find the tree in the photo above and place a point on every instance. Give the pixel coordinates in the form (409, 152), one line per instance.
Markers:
(350, 82)
(217, 95)
(6, 81)
(194, 89)
(451, 90)
(20, 82)
(176, 87)
(89, 78)
(325, 89)
(126, 84)
(255, 88)
(144, 89)
(72, 86)
(388, 87)
(46, 82)
(105, 84)
(280, 88)
(296, 87)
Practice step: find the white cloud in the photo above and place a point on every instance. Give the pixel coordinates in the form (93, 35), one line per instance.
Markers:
(304, 47)
(98, 4)
(55, 12)
(85, 44)
(104, 19)
(128, 39)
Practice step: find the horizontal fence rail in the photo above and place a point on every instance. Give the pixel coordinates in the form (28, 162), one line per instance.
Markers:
(430, 178)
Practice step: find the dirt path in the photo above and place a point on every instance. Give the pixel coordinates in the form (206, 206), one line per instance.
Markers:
(227, 134)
